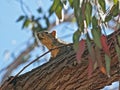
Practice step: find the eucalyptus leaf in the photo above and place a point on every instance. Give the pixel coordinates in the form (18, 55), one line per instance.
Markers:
(102, 4)
(54, 6)
(88, 13)
(76, 37)
(94, 22)
(58, 10)
(96, 37)
(20, 18)
(108, 18)
(115, 1)
(26, 23)
(107, 63)
(71, 3)
(118, 37)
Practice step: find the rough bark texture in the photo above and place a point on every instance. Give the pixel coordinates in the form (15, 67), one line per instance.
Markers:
(19, 59)
(63, 73)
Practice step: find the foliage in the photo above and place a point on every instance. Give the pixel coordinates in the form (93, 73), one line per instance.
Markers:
(94, 14)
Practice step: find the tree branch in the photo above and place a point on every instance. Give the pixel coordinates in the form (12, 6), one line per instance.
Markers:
(63, 73)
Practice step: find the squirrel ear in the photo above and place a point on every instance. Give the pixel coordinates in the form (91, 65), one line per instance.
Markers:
(53, 33)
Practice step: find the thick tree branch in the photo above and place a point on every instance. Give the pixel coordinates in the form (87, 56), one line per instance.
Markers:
(18, 61)
(63, 73)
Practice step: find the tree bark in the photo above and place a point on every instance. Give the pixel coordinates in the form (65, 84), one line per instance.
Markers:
(18, 60)
(63, 73)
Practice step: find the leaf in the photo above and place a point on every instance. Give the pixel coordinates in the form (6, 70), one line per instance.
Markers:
(115, 9)
(20, 18)
(99, 60)
(118, 51)
(94, 22)
(115, 1)
(113, 12)
(64, 2)
(81, 16)
(90, 48)
(105, 46)
(107, 63)
(26, 23)
(58, 10)
(78, 11)
(80, 50)
(102, 4)
(90, 66)
(76, 37)
(108, 18)
(96, 37)
(118, 37)
(54, 6)
(88, 13)
(71, 3)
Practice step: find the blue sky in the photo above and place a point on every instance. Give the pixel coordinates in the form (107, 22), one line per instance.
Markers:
(12, 37)
(11, 34)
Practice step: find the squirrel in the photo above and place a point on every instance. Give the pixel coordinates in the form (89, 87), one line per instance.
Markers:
(51, 41)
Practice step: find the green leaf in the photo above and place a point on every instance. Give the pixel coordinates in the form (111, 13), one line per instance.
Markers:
(78, 14)
(116, 10)
(94, 22)
(88, 13)
(54, 6)
(20, 18)
(76, 37)
(115, 1)
(96, 37)
(107, 63)
(89, 45)
(81, 16)
(102, 4)
(118, 37)
(65, 2)
(26, 23)
(118, 51)
(108, 18)
(91, 50)
(71, 3)
(58, 10)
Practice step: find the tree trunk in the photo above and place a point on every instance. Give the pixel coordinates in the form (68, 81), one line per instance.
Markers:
(63, 73)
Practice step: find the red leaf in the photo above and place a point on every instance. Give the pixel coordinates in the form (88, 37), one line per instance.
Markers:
(90, 66)
(104, 44)
(80, 50)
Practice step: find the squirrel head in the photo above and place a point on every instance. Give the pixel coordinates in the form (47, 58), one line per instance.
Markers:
(49, 40)
(46, 38)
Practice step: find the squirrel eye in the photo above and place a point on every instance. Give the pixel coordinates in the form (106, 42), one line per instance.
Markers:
(46, 32)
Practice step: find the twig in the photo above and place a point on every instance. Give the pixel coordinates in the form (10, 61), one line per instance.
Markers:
(22, 4)
(31, 63)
